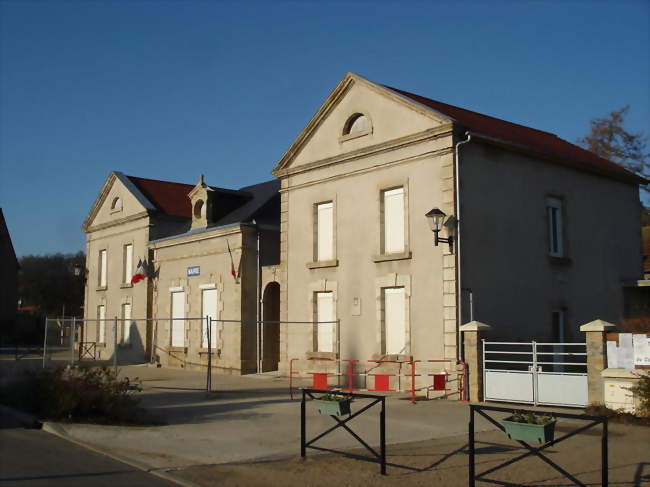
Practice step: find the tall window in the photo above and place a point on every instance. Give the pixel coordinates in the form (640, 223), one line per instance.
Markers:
(127, 272)
(325, 317)
(101, 324)
(324, 231)
(554, 213)
(178, 319)
(209, 310)
(394, 314)
(393, 220)
(126, 324)
(103, 267)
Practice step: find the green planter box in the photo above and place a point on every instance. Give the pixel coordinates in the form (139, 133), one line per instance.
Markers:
(530, 433)
(333, 408)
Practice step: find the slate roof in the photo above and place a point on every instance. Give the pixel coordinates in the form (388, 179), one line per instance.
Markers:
(231, 206)
(538, 140)
(6, 246)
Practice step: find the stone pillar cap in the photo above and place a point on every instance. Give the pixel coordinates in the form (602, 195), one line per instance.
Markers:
(597, 325)
(475, 326)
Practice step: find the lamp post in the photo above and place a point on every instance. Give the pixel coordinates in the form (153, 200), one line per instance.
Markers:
(436, 220)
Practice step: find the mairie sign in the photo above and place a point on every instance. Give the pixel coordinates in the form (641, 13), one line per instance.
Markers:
(194, 270)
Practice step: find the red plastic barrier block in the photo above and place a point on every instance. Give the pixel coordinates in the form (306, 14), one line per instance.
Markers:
(439, 382)
(320, 380)
(382, 382)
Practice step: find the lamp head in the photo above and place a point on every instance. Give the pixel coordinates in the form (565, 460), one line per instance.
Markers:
(435, 218)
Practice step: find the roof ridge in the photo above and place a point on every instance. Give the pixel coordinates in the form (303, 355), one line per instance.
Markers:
(455, 107)
(159, 180)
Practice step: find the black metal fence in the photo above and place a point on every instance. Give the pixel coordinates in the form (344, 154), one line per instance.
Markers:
(537, 451)
(304, 443)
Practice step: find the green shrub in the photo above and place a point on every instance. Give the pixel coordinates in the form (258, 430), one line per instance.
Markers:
(642, 391)
(76, 394)
(530, 418)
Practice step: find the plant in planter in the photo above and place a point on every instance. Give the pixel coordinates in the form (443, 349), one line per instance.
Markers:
(333, 404)
(530, 427)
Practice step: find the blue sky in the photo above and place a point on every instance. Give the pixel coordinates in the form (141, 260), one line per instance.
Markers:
(171, 89)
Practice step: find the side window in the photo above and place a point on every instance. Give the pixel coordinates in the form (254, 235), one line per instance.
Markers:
(392, 219)
(325, 331)
(394, 320)
(103, 267)
(324, 238)
(178, 319)
(101, 324)
(126, 324)
(555, 217)
(127, 272)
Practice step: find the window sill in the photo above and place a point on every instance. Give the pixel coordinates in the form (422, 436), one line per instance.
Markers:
(102, 288)
(559, 260)
(177, 349)
(100, 345)
(388, 257)
(355, 135)
(126, 285)
(204, 351)
(322, 263)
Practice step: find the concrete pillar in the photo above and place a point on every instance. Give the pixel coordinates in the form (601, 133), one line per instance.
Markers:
(472, 332)
(596, 358)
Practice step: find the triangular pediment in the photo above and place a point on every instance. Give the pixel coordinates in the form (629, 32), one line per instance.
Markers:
(118, 201)
(389, 116)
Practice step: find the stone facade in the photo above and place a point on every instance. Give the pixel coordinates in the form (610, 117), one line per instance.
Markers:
(495, 179)
(195, 241)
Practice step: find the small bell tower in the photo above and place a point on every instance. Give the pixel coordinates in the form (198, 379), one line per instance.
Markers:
(201, 201)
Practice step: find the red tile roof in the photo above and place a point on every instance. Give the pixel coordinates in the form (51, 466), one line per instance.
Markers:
(170, 198)
(539, 141)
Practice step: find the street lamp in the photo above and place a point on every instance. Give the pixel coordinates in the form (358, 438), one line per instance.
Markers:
(436, 220)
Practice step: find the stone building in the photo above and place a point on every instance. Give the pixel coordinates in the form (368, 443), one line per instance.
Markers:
(207, 252)
(542, 233)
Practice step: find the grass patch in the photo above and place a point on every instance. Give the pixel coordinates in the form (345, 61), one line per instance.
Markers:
(88, 395)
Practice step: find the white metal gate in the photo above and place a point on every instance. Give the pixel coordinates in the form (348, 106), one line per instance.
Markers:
(553, 374)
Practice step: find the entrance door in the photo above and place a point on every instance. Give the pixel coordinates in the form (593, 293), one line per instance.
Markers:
(270, 327)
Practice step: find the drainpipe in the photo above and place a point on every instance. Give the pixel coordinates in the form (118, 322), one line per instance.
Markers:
(258, 304)
(459, 289)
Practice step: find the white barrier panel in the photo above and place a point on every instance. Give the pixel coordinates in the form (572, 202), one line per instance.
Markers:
(562, 389)
(509, 385)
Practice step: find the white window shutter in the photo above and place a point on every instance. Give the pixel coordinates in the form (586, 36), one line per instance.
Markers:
(128, 262)
(126, 314)
(101, 316)
(395, 320)
(324, 313)
(325, 216)
(103, 268)
(209, 308)
(178, 319)
(394, 221)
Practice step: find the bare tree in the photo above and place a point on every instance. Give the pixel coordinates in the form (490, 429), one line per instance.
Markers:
(609, 139)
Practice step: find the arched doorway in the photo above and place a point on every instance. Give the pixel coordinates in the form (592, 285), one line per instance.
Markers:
(271, 330)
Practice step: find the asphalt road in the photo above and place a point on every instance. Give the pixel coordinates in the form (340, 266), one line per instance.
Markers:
(30, 457)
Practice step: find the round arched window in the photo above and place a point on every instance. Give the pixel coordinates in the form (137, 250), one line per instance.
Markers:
(116, 204)
(357, 123)
(199, 209)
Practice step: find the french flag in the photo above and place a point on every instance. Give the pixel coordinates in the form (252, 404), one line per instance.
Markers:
(139, 273)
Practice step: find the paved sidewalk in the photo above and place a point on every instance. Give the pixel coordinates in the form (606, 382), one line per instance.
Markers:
(250, 418)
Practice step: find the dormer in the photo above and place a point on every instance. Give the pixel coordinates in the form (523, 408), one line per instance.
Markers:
(201, 199)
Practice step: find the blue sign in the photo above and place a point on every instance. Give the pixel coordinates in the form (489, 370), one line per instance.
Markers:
(195, 270)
